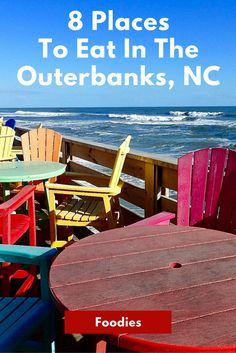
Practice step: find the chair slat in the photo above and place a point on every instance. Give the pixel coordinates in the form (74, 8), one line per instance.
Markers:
(15, 311)
(42, 144)
(65, 208)
(214, 184)
(33, 141)
(94, 209)
(56, 147)
(26, 146)
(4, 302)
(228, 195)
(49, 146)
(184, 188)
(72, 209)
(199, 182)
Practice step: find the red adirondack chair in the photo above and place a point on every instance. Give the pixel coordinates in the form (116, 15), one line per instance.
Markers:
(12, 228)
(206, 191)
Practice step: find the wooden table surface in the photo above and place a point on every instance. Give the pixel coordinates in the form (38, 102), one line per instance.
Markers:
(130, 269)
(29, 171)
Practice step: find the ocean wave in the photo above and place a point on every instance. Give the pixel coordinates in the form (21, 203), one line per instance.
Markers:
(174, 116)
(41, 114)
(148, 118)
(195, 114)
(50, 114)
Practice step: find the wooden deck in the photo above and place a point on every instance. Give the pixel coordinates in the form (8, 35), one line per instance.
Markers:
(148, 194)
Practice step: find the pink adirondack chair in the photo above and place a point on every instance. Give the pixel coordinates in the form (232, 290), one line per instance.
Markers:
(206, 191)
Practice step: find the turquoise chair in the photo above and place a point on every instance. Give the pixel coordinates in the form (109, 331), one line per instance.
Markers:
(20, 317)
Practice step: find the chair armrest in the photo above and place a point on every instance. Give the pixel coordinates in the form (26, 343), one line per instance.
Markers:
(11, 205)
(73, 175)
(158, 219)
(91, 178)
(33, 255)
(78, 189)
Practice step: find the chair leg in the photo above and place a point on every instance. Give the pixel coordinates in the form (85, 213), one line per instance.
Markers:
(32, 226)
(107, 206)
(52, 217)
(101, 347)
(117, 209)
(53, 227)
(49, 333)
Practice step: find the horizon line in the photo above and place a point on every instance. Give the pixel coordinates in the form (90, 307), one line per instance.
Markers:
(99, 107)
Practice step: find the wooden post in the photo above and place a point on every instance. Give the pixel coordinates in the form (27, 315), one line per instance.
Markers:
(151, 187)
(65, 153)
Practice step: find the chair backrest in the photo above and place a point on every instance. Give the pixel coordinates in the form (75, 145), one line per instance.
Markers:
(206, 189)
(119, 162)
(41, 145)
(11, 123)
(7, 136)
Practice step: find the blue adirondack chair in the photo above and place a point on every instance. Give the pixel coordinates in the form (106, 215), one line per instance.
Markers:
(20, 317)
(11, 123)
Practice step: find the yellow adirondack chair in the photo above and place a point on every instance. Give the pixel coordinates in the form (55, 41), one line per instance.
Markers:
(84, 205)
(7, 136)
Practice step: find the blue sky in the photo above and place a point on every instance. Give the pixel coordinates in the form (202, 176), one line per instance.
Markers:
(208, 24)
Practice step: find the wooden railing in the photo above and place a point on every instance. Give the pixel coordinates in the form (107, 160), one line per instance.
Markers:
(148, 178)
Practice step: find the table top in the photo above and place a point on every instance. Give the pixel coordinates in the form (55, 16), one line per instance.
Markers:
(29, 171)
(132, 269)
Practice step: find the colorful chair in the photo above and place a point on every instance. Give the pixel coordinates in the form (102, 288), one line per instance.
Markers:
(11, 123)
(21, 317)
(40, 145)
(13, 228)
(7, 136)
(206, 191)
(86, 206)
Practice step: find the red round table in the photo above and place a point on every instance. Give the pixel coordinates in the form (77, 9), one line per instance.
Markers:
(132, 269)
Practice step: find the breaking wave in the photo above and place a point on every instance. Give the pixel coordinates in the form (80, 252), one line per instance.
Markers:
(195, 114)
(41, 114)
(148, 118)
(172, 116)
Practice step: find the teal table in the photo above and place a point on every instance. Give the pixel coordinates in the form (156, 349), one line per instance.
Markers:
(11, 172)
(29, 171)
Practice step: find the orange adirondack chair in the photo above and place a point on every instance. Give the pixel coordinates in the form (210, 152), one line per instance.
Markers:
(86, 206)
(40, 145)
(206, 191)
(12, 229)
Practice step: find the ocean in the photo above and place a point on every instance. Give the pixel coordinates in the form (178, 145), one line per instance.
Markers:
(171, 131)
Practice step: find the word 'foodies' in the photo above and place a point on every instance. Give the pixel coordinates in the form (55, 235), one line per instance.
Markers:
(124, 322)
(101, 18)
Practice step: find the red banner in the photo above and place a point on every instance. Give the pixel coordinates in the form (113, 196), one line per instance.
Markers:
(117, 322)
